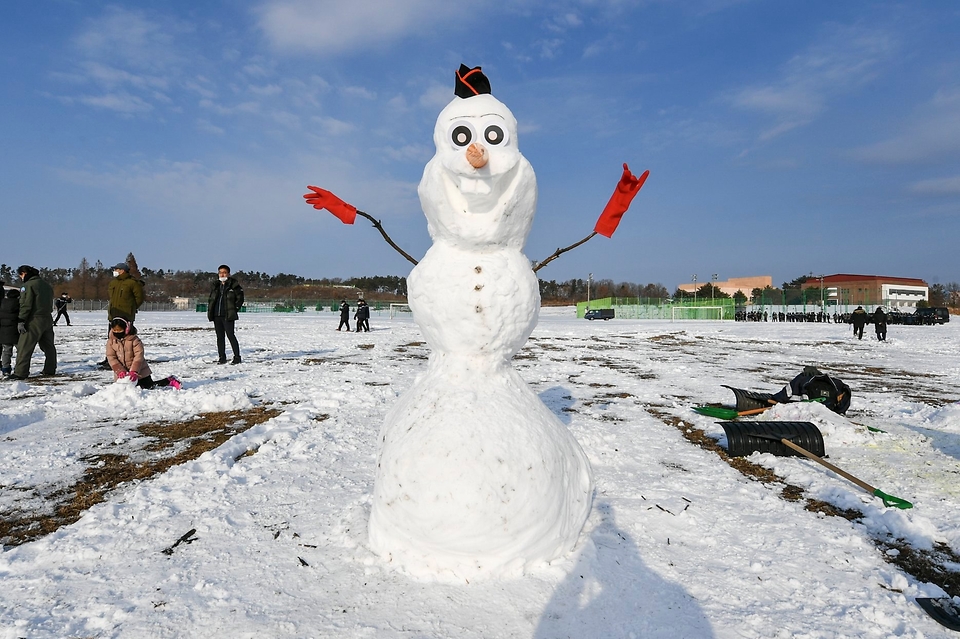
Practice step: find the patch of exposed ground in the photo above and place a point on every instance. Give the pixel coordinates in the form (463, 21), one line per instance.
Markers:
(166, 445)
(925, 566)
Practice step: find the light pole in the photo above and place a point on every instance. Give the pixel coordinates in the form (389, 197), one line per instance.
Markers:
(694, 289)
(713, 285)
(589, 280)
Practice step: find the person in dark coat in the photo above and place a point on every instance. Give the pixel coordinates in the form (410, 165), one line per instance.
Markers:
(9, 318)
(126, 297)
(344, 315)
(880, 324)
(226, 298)
(362, 316)
(35, 323)
(859, 320)
(61, 305)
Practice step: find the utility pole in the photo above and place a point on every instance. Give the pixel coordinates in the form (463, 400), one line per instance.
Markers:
(589, 280)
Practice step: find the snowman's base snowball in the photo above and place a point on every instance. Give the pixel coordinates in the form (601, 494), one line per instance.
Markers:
(476, 477)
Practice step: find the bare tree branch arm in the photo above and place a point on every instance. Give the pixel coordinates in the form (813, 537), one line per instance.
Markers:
(558, 252)
(379, 227)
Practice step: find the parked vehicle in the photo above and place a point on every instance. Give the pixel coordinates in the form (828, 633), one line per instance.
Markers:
(932, 315)
(599, 313)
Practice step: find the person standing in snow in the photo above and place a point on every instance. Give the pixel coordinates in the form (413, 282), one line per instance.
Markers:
(344, 315)
(226, 298)
(125, 355)
(880, 324)
(859, 320)
(9, 318)
(362, 316)
(61, 305)
(126, 296)
(35, 323)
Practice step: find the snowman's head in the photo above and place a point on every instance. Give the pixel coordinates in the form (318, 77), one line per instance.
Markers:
(478, 189)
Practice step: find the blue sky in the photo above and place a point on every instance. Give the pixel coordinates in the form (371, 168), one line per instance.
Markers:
(782, 137)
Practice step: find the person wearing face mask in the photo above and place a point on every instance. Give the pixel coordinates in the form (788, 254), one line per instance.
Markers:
(226, 298)
(126, 296)
(125, 355)
(35, 324)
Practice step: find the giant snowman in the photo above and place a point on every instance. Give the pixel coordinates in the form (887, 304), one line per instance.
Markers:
(475, 475)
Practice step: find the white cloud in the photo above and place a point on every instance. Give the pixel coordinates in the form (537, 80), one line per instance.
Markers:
(938, 186)
(120, 102)
(138, 39)
(844, 60)
(204, 126)
(358, 92)
(332, 126)
(337, 26)
(932, 132)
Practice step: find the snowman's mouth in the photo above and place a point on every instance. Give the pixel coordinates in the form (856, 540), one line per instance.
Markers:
(482, 194)
(474, 186)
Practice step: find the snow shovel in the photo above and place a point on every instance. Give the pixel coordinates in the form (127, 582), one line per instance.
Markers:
(943, 610)
(721, 412)
(744, 438)
(727, 413)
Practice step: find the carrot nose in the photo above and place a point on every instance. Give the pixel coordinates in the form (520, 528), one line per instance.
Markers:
(477, 155)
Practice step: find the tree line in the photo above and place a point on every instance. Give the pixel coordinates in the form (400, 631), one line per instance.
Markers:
(88, 281)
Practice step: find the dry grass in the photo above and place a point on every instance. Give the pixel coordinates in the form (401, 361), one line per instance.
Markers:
(168, 444)
(926, 566)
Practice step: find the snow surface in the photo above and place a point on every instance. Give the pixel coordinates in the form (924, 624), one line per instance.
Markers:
(677, 544)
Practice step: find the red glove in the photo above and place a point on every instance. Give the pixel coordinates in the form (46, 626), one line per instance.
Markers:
(321, 199)
(619, 202)
(121, 374)
(133, 377)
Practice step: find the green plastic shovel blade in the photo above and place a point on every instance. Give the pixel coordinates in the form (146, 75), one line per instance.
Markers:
(716, 411)
(892, 502)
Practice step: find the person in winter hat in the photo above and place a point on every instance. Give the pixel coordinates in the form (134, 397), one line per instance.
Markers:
(344, 315)
(880, 324)
(125, 355)
(126, 296)
(61, 305)
(223, 307)
(859, 320)
(9, 318)
(35, 323)
(362, 316)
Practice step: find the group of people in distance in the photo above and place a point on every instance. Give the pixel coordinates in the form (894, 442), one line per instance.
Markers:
(362, 316)
(26, 323)
(859, 319)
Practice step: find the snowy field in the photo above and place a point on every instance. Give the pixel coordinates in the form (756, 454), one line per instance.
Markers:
(678, 543)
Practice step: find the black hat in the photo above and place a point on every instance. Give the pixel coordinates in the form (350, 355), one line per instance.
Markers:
(122, 266)
(24, 268)
(470, 82)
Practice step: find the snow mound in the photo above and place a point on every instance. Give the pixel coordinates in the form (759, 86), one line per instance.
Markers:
(946, 419)
(836, 429)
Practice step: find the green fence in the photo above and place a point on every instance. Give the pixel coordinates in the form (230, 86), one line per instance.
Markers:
(656, 308)
(299, 306)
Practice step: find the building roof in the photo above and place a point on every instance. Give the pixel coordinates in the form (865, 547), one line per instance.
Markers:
(848, 277)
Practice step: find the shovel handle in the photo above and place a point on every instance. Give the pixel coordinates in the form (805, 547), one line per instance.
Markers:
(806, 453)
(888, 500)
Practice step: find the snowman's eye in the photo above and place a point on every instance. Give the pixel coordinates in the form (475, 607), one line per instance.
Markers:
(493, 134)
(461, 135)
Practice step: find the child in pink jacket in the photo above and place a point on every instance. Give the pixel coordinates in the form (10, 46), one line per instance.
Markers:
(125, 356)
